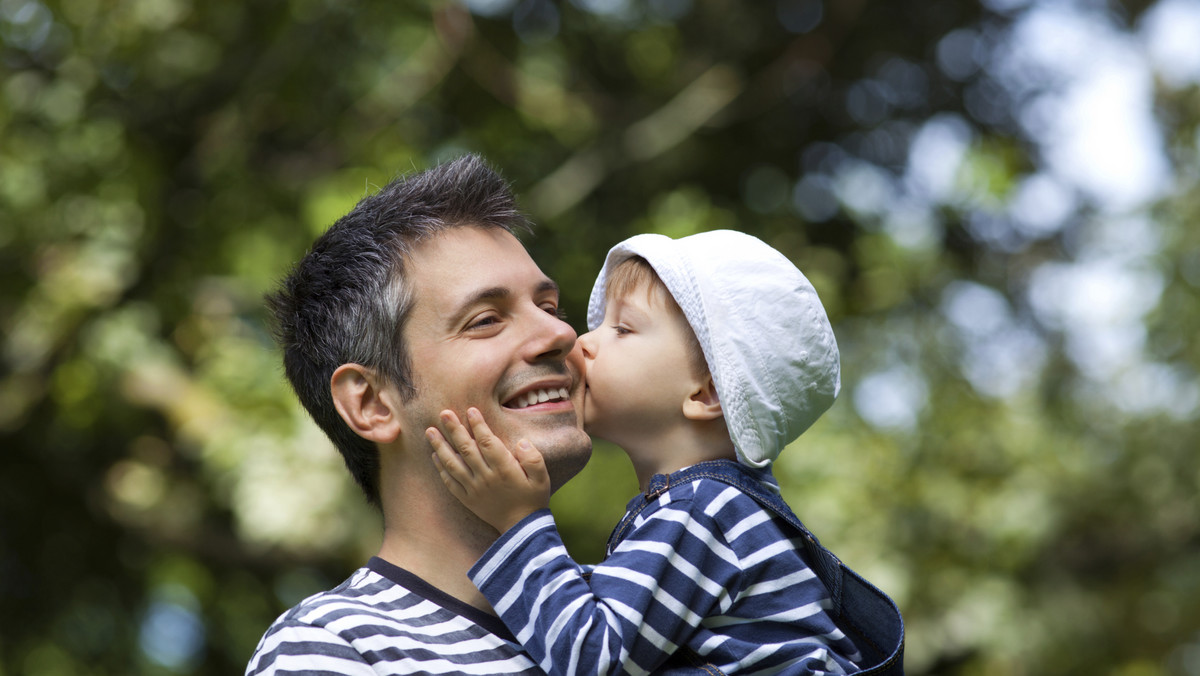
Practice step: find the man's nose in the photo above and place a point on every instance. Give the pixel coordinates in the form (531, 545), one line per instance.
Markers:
(553, 338)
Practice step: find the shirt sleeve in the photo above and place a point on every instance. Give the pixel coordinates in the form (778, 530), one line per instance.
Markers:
(300, 649)
(673, 569)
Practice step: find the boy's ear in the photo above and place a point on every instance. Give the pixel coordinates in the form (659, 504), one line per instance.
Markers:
(703, 403)
(370, 408)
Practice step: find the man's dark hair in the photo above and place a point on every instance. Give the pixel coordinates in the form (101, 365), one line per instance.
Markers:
(347, 300)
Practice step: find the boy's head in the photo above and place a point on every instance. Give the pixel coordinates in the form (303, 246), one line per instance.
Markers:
(647, 380)
(762, 331)
(636, 275)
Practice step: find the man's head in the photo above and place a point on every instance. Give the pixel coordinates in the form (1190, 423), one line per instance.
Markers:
(358, 306)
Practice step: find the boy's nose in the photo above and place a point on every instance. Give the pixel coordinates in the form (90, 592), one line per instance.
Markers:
(587, 345)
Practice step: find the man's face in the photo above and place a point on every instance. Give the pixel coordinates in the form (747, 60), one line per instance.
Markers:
(484, 332)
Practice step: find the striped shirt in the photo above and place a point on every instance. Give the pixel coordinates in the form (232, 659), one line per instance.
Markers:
(385, 620)
(702, 566)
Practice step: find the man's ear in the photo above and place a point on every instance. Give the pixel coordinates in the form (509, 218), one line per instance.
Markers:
(369, 407)
(703, 403)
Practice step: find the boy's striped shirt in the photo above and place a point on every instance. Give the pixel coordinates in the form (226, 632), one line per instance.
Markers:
(702, 566)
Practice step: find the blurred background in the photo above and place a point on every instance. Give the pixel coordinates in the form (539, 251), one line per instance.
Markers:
(996, 200)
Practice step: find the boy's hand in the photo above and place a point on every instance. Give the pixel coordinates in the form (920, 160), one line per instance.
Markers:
(499, 486)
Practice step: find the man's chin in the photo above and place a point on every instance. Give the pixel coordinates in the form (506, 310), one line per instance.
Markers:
(566, 453)
(564, 469)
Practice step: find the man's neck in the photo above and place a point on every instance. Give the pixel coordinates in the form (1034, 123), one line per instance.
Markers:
(432, 535)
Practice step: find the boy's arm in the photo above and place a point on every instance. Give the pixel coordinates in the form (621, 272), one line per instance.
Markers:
(499, 486)
(627, 616)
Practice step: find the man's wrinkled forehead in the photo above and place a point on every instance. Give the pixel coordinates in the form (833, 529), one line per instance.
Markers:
(467, 265)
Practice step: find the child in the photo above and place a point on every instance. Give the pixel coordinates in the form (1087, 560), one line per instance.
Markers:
(707, 356)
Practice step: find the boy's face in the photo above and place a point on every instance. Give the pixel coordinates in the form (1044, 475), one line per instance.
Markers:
(638, 371)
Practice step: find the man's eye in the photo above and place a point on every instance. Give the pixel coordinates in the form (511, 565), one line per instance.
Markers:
(556, 311)
(482, 322)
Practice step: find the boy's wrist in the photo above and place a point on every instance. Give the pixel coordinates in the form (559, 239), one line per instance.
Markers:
(510, 544)
(512, 518)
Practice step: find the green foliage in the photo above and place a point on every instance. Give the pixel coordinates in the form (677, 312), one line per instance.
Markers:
(1020, 482)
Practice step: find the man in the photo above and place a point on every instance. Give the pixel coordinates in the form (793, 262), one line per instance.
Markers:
(418, 300)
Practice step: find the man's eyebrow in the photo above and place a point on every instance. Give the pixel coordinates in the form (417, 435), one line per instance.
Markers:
(491, 294)
(547, 285)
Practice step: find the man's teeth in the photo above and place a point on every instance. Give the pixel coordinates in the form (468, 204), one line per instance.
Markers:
(541, 397)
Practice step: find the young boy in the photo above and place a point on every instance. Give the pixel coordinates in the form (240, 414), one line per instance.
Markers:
(707, 356)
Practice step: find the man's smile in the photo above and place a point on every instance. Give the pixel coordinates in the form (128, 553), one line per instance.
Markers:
(537, 396)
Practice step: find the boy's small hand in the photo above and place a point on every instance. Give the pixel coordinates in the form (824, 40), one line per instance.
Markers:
(499, 486)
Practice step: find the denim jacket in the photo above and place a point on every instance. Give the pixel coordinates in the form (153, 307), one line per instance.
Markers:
(867, 615)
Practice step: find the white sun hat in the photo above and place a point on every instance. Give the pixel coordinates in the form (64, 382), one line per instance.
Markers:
(765, 335)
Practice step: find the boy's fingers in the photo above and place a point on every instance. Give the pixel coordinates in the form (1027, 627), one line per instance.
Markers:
(525, 452)
(532, 462)
(447, 457)
(451, 483)
(453, 430)
(463, 444)
(493, 451)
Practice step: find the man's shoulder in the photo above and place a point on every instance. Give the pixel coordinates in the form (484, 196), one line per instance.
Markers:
(375, 619)
(371, 595)
(363, 593)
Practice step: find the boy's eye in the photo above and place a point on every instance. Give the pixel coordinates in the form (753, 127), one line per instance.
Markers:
(621, 330)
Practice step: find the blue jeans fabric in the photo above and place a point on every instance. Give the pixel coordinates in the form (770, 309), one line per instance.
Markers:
(861, 610)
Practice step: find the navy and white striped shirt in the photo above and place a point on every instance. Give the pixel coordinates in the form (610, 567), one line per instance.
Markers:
(385, 620)
(703, 565)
